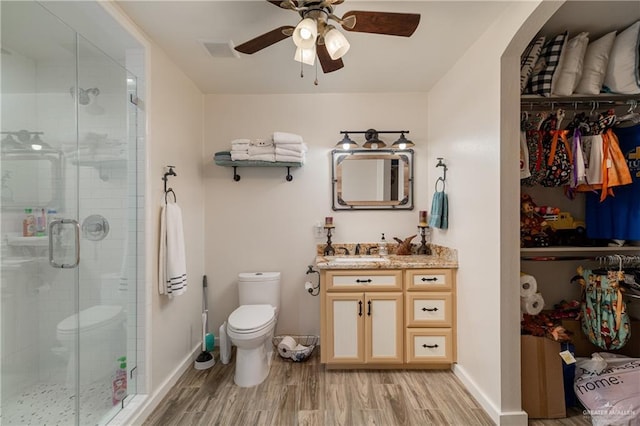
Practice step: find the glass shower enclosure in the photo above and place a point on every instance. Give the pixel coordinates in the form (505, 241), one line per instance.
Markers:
(68, 224)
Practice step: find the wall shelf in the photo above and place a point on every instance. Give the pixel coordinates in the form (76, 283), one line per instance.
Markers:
(573, 253)
(224, 159)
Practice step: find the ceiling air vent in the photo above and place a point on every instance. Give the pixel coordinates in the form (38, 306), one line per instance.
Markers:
(220, 49)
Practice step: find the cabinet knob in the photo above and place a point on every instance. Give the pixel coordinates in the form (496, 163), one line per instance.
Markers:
(363, 281)
(429, 309)
(430, 346)
(429, 279)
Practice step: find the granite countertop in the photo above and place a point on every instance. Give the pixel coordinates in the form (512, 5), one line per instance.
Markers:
(441, 257)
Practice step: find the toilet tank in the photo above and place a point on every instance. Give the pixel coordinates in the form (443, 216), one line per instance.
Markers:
(256, 288)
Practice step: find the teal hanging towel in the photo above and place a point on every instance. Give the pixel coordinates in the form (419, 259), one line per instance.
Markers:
(439, 211)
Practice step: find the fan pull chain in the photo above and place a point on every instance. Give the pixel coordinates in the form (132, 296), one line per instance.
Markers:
(316, 80)
(301, 70)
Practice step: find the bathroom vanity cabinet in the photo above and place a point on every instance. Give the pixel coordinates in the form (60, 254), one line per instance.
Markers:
(390, 316)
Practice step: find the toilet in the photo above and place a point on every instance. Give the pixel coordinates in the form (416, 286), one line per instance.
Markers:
(251, 326)
(101, 336)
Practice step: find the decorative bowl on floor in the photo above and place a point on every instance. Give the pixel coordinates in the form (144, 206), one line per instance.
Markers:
(297, 355)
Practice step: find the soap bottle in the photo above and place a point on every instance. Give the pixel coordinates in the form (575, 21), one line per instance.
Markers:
(28, 224)
(382, 246)
(119, 385)
(41, 224)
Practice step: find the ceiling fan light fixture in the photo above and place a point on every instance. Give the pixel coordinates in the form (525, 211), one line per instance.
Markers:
(306, 56)
(336, 43)
(305, 34)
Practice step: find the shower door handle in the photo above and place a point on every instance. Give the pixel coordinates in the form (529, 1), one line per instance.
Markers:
(56, 225)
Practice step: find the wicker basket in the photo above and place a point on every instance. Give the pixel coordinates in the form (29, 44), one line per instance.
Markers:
(297, 355)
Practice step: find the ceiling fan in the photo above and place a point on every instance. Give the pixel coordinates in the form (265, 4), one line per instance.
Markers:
(315, 35)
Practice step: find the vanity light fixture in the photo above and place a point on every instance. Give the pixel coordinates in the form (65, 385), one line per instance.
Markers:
(373, 141)
(402, 142)
(346, 143)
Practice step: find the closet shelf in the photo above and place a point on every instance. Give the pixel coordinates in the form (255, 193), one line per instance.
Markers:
(224, 159)
(603, 99)
(566, 252)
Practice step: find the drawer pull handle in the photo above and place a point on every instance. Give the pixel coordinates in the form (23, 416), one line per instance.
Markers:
(429, 279)
(359, 308)
(429, 309)
(430, 346)
(369, 308)
(363, 281)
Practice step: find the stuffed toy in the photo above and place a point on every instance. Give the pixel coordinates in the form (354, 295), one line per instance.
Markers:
(534, 230)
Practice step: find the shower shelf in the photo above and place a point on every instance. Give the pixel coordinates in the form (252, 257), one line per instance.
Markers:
(28, 241)
(105, 166)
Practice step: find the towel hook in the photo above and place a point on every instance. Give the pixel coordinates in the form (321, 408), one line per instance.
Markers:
(165, 178)
(443, 178)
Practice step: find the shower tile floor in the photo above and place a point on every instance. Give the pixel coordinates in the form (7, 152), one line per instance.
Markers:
(54, 404)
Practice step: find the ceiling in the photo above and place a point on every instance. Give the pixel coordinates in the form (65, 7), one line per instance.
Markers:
(375, 63)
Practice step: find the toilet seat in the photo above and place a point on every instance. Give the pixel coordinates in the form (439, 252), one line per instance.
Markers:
(91, 318)
(249, 319)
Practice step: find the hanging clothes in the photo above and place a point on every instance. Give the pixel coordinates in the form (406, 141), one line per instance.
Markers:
(618, 217)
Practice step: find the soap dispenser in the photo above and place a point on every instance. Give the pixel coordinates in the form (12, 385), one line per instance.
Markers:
(382, 246)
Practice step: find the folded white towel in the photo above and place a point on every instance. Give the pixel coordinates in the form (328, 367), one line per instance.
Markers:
(298, 147)
(257, 150)
(263, 157)
(289, 152)
(172, 265)
(239, 155)
(241, 141)
(262, 142)
(282, 137)
(289, 158)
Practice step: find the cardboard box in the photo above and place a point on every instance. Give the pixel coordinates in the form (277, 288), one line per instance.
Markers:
(541, 374)
(585, 348)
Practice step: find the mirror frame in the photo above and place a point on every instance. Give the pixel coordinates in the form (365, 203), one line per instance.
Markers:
(405, 158)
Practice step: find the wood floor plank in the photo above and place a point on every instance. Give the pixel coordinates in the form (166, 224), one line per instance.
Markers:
(307, 394)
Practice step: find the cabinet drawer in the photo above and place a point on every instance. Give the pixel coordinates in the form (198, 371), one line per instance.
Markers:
(429, 345)
(429, 279)
(432, 309)
(364, 280)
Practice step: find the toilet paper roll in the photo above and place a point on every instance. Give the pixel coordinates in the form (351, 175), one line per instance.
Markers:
(286, 345)
(532, 305)
(528, 285)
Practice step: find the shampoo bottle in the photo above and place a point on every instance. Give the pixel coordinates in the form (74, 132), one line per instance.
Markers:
(28, 224)
(119, 385)
(382, 247)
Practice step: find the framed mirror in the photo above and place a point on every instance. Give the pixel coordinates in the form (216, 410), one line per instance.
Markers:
(32, 179)
(365, 179)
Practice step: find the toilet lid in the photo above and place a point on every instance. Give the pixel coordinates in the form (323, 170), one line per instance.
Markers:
(92, 317)
(250, 317)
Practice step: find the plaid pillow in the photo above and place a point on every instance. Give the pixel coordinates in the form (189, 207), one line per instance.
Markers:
(528, 60)
(542, 76)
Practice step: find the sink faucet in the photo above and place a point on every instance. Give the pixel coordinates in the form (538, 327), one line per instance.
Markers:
(357, 252)
(346, 250)
(371, 248)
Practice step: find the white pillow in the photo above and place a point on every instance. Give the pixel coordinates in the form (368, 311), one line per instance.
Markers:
(624, 60)
(567, 76)
(595, 65)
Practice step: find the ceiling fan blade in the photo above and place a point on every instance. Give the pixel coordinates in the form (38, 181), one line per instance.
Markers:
(328, 64)
(265, 40)
(388, 23)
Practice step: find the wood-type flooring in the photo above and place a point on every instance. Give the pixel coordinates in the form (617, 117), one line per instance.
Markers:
(306, 393)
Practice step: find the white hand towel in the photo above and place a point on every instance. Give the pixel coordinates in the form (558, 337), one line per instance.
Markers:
(282, 137)
(263, 157)
(262, 142)
(172, 265)
(284, 151)
(239, 155)
(241, 141)
(289, 159)
(298, 147)
(258, 150)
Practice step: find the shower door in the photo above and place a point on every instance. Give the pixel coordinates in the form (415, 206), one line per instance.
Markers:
(68, 224)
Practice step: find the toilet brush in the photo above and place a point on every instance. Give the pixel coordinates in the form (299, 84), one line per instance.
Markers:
(205, 359)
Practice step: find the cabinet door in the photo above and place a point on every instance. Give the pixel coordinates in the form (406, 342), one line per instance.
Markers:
(345, 328)
(384, 328)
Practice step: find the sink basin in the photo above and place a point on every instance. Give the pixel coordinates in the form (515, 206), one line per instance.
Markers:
(359, 259)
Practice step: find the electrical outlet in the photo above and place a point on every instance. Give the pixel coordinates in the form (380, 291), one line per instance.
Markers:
(318, 230)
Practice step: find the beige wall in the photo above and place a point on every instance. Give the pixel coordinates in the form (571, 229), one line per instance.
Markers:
(483, 90)
(264, 222)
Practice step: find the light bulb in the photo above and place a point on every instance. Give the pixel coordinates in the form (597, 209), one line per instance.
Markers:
(305, 34)
(345, 146)
(374, 145)
(402, 145)
(36, 147)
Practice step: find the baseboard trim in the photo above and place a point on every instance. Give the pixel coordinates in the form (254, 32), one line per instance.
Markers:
(508, 418)
(150, 402)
